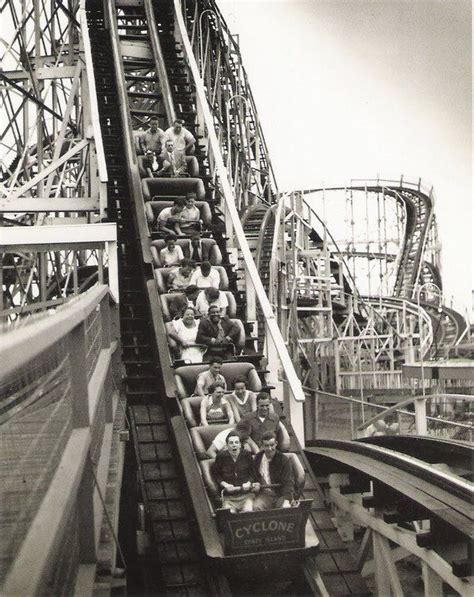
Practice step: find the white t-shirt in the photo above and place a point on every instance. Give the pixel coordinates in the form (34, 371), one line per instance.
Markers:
(168, 257)
(213, 279)
(202, 304)
(180, 139)
(219, 442)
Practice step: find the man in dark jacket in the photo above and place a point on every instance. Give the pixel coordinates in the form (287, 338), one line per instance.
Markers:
(273, 468)
(219, 334)
(234, 472)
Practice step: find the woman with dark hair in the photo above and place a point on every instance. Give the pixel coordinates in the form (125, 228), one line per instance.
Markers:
(215, 408)
(183, 331)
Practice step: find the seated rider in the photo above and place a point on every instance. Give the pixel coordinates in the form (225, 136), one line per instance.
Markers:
(211, 296)
(190, 217)
(173, 160)
(214, 407)
(219, 442)
(211, 376)
(171, 254)
(219, 334)
(205, 276)
(243, 401)
(180, 278)
(263, 419)
(234, 472)
(168, 218)
(273, 468)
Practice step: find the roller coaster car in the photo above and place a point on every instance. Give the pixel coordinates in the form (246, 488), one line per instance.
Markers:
(153, 208)
(271, 542)
(156, 187)
(186, 377)
(191, 164)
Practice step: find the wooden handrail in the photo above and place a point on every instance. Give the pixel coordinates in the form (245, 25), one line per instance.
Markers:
(267, 310)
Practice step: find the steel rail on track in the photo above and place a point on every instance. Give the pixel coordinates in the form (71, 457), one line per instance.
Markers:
(428, 449)
(444, 481)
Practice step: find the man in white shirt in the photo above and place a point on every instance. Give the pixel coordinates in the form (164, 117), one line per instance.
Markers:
(206, 276)
(183, 140)
(219, 443)
(211, 296)
(153, 139)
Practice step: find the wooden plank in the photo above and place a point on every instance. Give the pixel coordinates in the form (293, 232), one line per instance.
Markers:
(44, 204)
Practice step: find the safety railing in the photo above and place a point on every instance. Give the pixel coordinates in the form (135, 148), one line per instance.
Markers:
(44, 266)
(333, 416)
(58, 402)
(231, 104)
(276, 349)
(448, 416)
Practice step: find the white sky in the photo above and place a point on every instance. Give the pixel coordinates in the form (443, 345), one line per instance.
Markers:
(362, 88)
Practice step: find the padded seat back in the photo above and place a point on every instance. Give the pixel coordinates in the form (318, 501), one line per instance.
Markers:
(191, 408)
(298, 472)
(206, 469)
(161, 277)
(192, 166)
(211, 251)
(186, 376)
(154, 187)
(153, 208)
(283, 438)
(166, 304)
(203, 436)
(157, 245)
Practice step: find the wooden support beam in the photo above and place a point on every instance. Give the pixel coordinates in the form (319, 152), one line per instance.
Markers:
(405, 539)
(45, 204)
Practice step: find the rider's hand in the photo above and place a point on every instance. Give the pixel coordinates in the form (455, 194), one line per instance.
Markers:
(246, 486)
(256, 487)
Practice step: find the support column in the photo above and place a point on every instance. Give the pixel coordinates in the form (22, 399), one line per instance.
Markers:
(420, 416)
(432, 582)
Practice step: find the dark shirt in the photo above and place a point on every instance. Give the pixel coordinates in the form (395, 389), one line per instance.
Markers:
(258, 427)
(208, 330)
(281, 473)
(236, 473)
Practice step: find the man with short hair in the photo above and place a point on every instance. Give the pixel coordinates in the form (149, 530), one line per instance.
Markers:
(168, 218)
(180, 278)
(273, 468)
(183, 140)
(211, 376)
(234, 472)
(219, 442)
(219, 334)
(206, 276)
(153, 139)
(212, 297)
(198, 249)
(190, 217)
(174, 163)
(263, 420)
